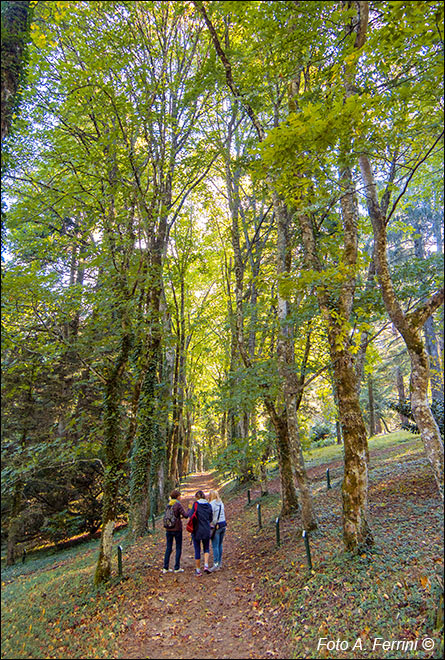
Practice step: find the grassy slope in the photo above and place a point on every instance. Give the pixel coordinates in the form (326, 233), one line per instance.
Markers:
(391, 593)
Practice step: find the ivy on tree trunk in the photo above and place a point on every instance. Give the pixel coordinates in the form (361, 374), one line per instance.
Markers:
(15, 25)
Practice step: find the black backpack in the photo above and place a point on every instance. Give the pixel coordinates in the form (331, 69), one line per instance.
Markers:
(169, 517)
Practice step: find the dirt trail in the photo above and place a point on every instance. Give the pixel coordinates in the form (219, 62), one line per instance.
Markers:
(212, 616)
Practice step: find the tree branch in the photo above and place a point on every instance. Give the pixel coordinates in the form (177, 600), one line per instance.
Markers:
(228, 69)
(413, 171)
(420, 315)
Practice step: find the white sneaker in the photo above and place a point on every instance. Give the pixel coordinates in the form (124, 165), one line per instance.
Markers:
(179, 570)
(167, 570)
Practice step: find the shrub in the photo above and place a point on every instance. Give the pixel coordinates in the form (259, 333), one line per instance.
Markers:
(322, 435)
(62, 525)
(404, 408)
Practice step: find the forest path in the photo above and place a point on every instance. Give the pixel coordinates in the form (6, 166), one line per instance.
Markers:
(212, 616)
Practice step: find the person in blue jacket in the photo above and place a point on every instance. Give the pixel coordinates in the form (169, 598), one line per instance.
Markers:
(201, 530)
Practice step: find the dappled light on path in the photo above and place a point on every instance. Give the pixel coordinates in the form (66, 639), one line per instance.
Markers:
(212, 616)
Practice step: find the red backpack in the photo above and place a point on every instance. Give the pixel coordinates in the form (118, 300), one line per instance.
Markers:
(191, 523)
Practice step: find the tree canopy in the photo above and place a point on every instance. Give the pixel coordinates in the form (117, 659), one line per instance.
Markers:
(223, 244)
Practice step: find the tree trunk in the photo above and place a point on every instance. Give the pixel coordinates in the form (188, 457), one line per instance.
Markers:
(356, 530)
(409, 326)
(286, 364)
(431, 341)
(422, 412)
(109, 508)
(14, 523)
(364, 342)
(378, 425)
(263, 467)
(223, 428)
(114, 457)
(15, 19)
(141, 456)
(187, 443)
(177, 432)
(289, 498)
(372, 415)
(436, 373)
(401, 394)
(337, 422)
(307, 511)
(240, 418)
(338, 432)
(289, 494)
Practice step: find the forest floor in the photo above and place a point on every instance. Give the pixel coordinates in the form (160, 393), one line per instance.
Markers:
(211, 616)
(264, 602)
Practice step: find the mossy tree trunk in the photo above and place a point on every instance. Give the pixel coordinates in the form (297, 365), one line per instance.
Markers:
(14, 523)
(109, 511)
(409, 326)
(141, 455)
(15, 27)
(115, 454)
(292, 390)
(289, 497)
(149, 451)
(179, 382)
(356, 529)
(336, 309)
(336, 312)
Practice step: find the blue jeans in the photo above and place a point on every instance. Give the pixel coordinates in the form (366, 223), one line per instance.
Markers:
(178, 538)
(217, 545)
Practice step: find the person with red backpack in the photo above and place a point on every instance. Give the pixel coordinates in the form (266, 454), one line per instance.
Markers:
(201, 514)
(173, 530)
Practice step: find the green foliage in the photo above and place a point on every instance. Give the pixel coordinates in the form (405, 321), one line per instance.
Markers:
(126, 181)
(242, 452)
(323, 435)
(404, 408)
(62, 526)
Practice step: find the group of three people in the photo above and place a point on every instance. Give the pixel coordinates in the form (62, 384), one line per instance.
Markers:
(209, 522)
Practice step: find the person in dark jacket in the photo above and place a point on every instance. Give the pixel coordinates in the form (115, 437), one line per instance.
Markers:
(201, 530)
(175, 533)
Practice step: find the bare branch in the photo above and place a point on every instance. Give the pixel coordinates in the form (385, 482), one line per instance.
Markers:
(228, 69)
(413, 171)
